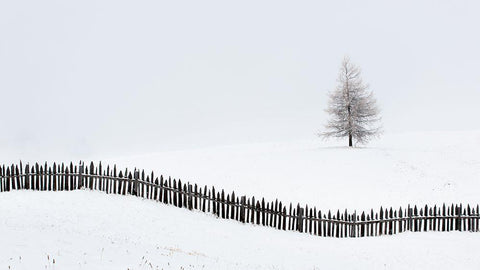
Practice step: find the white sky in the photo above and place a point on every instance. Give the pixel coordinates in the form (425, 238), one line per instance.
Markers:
(83, 78)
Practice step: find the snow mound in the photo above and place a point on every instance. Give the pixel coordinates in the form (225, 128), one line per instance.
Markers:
(400, 169)
(93, 230)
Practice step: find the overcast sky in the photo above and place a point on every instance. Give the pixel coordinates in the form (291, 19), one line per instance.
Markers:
(114, 77)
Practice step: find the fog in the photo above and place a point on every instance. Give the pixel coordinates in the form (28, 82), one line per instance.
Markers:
(104, 78)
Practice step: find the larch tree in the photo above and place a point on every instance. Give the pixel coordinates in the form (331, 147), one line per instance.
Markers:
(352, 108)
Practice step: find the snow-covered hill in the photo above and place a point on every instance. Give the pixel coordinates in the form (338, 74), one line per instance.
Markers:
(93, 230)
(416, 168)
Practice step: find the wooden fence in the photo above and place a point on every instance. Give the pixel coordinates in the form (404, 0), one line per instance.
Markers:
(59, 177)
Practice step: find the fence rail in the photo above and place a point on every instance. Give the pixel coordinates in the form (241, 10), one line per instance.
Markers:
(59, 177)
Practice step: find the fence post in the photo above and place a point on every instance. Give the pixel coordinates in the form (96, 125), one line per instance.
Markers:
(54, 177)
(27, 176)
(300, 212)
(136, 176)
(409, 218)
(242, 209)
(354, 224)
(459, 218)
(1, 178)
(80, 175)
(190, 200)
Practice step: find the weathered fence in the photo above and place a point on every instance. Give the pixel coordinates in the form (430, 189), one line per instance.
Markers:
(59, 177)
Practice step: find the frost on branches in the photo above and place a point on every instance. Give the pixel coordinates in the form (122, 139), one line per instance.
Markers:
(352, 108)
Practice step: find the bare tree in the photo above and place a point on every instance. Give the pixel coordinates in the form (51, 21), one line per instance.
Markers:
(352, 108)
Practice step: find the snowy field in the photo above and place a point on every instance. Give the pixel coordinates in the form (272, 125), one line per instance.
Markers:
(416, 168)
(92, 230)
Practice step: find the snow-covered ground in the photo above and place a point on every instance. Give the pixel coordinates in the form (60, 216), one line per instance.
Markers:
(416, 168)
(93, 230)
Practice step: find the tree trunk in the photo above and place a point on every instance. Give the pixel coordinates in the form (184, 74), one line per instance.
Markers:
(350, 143)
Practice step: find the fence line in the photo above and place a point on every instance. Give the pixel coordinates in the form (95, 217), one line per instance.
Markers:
(59, 177)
